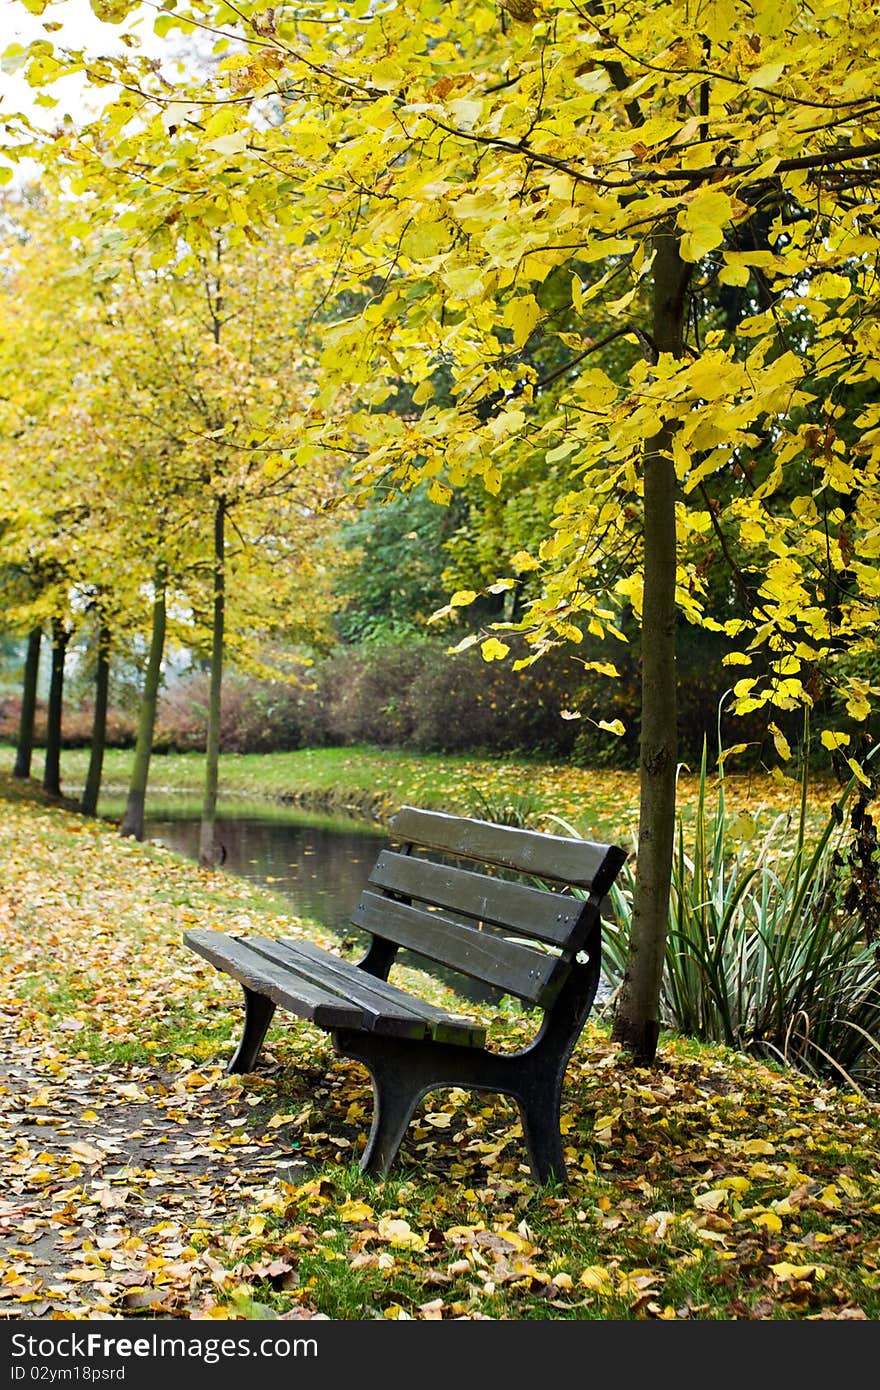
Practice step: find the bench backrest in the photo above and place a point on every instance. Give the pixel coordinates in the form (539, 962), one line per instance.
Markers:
(508, 932)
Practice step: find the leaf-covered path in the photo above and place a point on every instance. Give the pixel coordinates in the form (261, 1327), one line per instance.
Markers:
(138, 1180)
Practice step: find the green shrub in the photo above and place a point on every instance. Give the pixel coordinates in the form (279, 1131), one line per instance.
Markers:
(766, 948)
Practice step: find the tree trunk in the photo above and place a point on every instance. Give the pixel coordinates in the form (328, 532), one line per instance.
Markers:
(92, 789)
(637, 1016)
(24, 751)
(52, 765)
(207, 831)
(133, 819)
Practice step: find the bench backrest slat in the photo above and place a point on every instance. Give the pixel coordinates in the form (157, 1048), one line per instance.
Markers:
(552, 918)
(580, 863)
(530, 974)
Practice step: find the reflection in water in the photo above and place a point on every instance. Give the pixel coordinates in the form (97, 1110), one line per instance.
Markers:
(321, 868)
(322, 871)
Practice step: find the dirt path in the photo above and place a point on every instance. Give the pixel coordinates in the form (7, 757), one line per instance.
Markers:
(116, 1184)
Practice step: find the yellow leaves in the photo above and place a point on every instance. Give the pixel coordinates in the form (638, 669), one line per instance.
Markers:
(465, 112)
(769, 1220)
(612, 726)
(399, 1234)
(858, 704)
(827, 285)
(387, 75)
(743, 827)
(787, 1272)
(427, 239)
(521, 315)
(439, 1119)
(112, 11)
(440, 493)
(353, 1211)
(712, 1200)
(603, 1127)
(703, 221)
(234, 143)
(88, 1153)
(493, 650)
(465, 282)
(832, 740)
(766, 76)
(523, 562)
(733, 272)
(757, 1146)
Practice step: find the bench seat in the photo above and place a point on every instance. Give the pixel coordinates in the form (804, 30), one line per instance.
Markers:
(331, 992)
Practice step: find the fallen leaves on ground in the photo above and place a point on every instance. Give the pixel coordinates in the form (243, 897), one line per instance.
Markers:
(141, 1181)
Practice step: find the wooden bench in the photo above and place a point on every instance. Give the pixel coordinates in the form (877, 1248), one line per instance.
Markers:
(491, 922)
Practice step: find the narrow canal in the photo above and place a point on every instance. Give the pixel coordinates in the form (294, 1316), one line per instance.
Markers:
(321, 866)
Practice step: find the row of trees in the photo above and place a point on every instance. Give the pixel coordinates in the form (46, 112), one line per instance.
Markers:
(615, 265)
(153, 485)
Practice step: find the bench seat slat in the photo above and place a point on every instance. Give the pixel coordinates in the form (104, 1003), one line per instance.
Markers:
(514, 969)
(526, 911)
(379, 1015)
(392, 1009)
(578, 862)
(252, 970)
(443, 1026)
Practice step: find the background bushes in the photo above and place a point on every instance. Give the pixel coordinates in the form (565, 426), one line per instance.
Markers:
(413, 694)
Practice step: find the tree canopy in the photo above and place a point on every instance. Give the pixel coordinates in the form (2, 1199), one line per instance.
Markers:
(626, 253)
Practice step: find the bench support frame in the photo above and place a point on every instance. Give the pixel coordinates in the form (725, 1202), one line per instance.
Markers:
(538, 944)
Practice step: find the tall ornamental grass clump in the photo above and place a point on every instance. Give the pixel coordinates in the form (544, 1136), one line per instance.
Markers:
(767, 949)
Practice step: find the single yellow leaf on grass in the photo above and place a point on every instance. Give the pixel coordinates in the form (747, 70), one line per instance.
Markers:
(440, 1119)
(769, 1219)
(784, 1270)
(400, 1233)
(712, 1200)
(757, 1146)
(355, 1211)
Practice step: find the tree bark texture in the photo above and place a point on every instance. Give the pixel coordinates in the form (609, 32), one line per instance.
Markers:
(92, 789)
(637, 1016)
(133, 818)
(25, 748)
(207, 829)
(52, 764)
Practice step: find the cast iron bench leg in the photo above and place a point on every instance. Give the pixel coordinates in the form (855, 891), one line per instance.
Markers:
(258, 1011)
(399, 1082)
(540, 1111)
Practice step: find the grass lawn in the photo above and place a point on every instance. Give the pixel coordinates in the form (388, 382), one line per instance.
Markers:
(600, 803)
(139, 1179)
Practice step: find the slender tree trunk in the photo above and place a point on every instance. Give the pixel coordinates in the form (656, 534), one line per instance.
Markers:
(24, 751)
(92, 789)
(52, 765)
(207, 831)
(637, 1017)
(133, 819)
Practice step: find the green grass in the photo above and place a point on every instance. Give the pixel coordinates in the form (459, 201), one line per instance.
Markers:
(370, 783)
